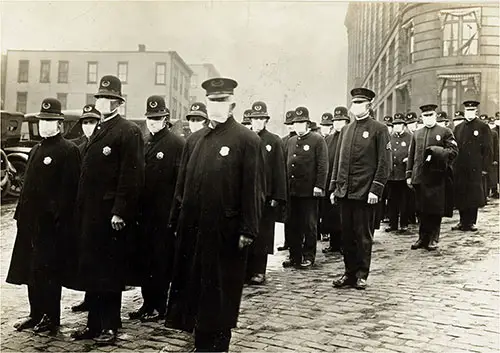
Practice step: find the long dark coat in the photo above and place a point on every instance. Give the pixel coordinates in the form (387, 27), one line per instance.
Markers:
(275, 184)
(493, 172)
(163, 152)
(330, 214)
(475, 145)
(111, 180)
(219, 190)
(44, 214)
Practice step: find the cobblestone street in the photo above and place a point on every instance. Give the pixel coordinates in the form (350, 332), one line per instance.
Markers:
(417, 301)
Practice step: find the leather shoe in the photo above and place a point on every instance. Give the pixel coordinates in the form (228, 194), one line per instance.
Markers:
(328, 250)
(46, 324)
(83, 306)
(360, 283)
(471, 228)
(25, 324)
(84, 334)
(306, 264)
(391, 229)
(136, 315)
(258, 279)
(288, 263)
(418, 245)
(153, 316)
(283, 248)
(433, 245)
(403, 229)
(458, 226)
(344, 281)
(106, 337)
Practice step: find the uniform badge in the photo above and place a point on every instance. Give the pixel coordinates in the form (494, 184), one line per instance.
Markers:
(153, 104)
(438, 137)
(306, 147)
(87, 109)
(476, 133)
(47, 160)
(366, 134)
(224, 151)
(46, 105)
(159, 155)
(403, 144)
(269, 148)
(106, 151)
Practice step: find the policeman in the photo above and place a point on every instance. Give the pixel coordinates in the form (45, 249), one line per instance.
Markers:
(163, 150)
(330, 222)
(362, 166)
(442, 119)
(486, 177)
(44, 212)
(274, 167)
(398, 190)
(314, 127)
(432, 149)
(473, 162)
(388, 123)
(307, 169)
(420, 123)
(246, 119)
(326, 126)
(411, 126)
(197, 117)
(383, 209)
(411, 122)
(494, 123)
(219, 196)
(111, 181)
(458, 119)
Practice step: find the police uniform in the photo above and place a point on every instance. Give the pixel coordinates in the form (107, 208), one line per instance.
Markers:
(486, 178)
(220, 194)
(411, 206)
(290, 115)
(163, 151)
(307, 168)
(42, 256)
(111, 181)
(323, 234)
(396, 184)
(383, 209)
(275, 191)
(431, 151)
(197, 112)
(246, 118)
(475, 157)
(494, 172)
(362, 166)
(442, 119)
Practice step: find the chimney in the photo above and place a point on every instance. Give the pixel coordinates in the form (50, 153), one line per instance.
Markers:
(142, 48)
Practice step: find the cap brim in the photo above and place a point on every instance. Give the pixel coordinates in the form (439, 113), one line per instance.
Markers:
(50, 116)
(219, 95)
(90, 116)
(259, 115)
(197, 114)
(109, 96)
(328, 123)
(156, 115)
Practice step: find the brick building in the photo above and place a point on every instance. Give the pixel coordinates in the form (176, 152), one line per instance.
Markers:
(416, 53)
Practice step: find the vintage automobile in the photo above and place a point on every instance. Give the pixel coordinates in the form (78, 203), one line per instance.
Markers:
(13, 164)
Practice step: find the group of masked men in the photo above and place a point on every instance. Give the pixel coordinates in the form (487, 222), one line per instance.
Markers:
(191, 222)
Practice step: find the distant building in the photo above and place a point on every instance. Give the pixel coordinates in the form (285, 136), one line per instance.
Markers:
(201, 72)
(73, 78)
(416, 53)
(2, 82)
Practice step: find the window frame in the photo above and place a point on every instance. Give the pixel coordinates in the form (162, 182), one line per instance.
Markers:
(64, 101)
(458, 19)
(164, 65)
(89, 63)
(27, 62)
(125, 81)
(452, 81)
(42, 64)
(25, 94)
(59, 80)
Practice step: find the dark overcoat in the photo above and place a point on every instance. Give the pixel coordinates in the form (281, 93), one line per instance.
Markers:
(220, 196)
(330, 214)
(493, 172)
(44, 214)
(111, 180)
(475, 145)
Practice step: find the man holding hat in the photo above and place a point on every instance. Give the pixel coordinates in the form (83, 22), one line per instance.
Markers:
(163, 150)
(197, 117)
(274, 168)
(442, 119)
(307, 169)
(330, 219)
(398, 190)
(472, 164)
(111, 181)
(432, 149)
(493, 173)
(246, 119)
(40, 258)
(362, 166)
(220, 190)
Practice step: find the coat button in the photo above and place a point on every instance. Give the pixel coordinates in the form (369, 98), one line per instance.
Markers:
(295, 155)
(293, 176)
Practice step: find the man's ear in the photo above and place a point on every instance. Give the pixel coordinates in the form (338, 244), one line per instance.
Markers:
(232, 106)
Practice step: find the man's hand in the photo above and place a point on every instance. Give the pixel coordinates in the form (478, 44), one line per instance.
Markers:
(484, 172)
(408, 182)
(274, 203)
(405, 159)
(117, 223)
(372, 198)
(244, 241)
(495, 163)
(317, 192)
(428, 159)
(332, 198)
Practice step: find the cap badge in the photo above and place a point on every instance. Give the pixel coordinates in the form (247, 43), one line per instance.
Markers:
(438, 137)
(153, 104)
(258, 108)
(288, 115)
(105, 83)
(224, 151)
(217, 83)
(159, 155)
(46, 105)
(299, 112)
(306, 147)
(476, 133)
(195, 107)
(366, 134)
(106, 151)
(403, 144)
(87, 109)
(269, 148)
(47, 160)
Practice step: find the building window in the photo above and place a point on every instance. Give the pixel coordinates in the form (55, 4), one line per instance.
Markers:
(181, 85)
(123, 72)
(63, 98)
(92, 72)
(388, 106)
(45, 71)
(460, 33)
(186, 88)
(391, 61)
(376, 81)
(411, 44)
(180, 110)
(194, 81)
(23, 73)
(122, 109)
(174, 108)
(62, 72)
(456, 88)
(176, 77)
(89, 98)
(383, 73)
(22, 102)
(161, 71)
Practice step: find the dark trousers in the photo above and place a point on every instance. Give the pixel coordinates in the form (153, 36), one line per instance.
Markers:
(104, 311)
(411, 207)
(287, 234)
(468, 216)
(398, 202)
(45, 299)
(485, 181)
(429, 228)
(358, 218)
(155, 297)
(303, 227)
(212, 341)
(336, 240)
(256, 264)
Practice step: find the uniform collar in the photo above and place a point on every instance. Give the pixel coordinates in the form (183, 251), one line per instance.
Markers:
(52, 139)
(115, 114)
(159, 134)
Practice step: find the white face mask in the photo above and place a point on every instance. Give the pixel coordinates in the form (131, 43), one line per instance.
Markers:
(412, 127)
(497, 122)
(359, 109)
(104, 106)
(398, 128)
(458, 122)
(339, 124)
(155, 125)
(429, 120)
(258, 124)
(470, 114)
(88, 128)
(325, 130)
(442, 123)
(390, 128)
(195, 125)
(48, 128)
(248, 126)
(218, 111)
(491, 125)
(300, 128)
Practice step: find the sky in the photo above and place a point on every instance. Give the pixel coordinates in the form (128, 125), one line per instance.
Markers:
(273, 49)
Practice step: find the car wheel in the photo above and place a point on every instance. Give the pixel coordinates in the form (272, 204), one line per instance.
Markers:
(17, 181)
